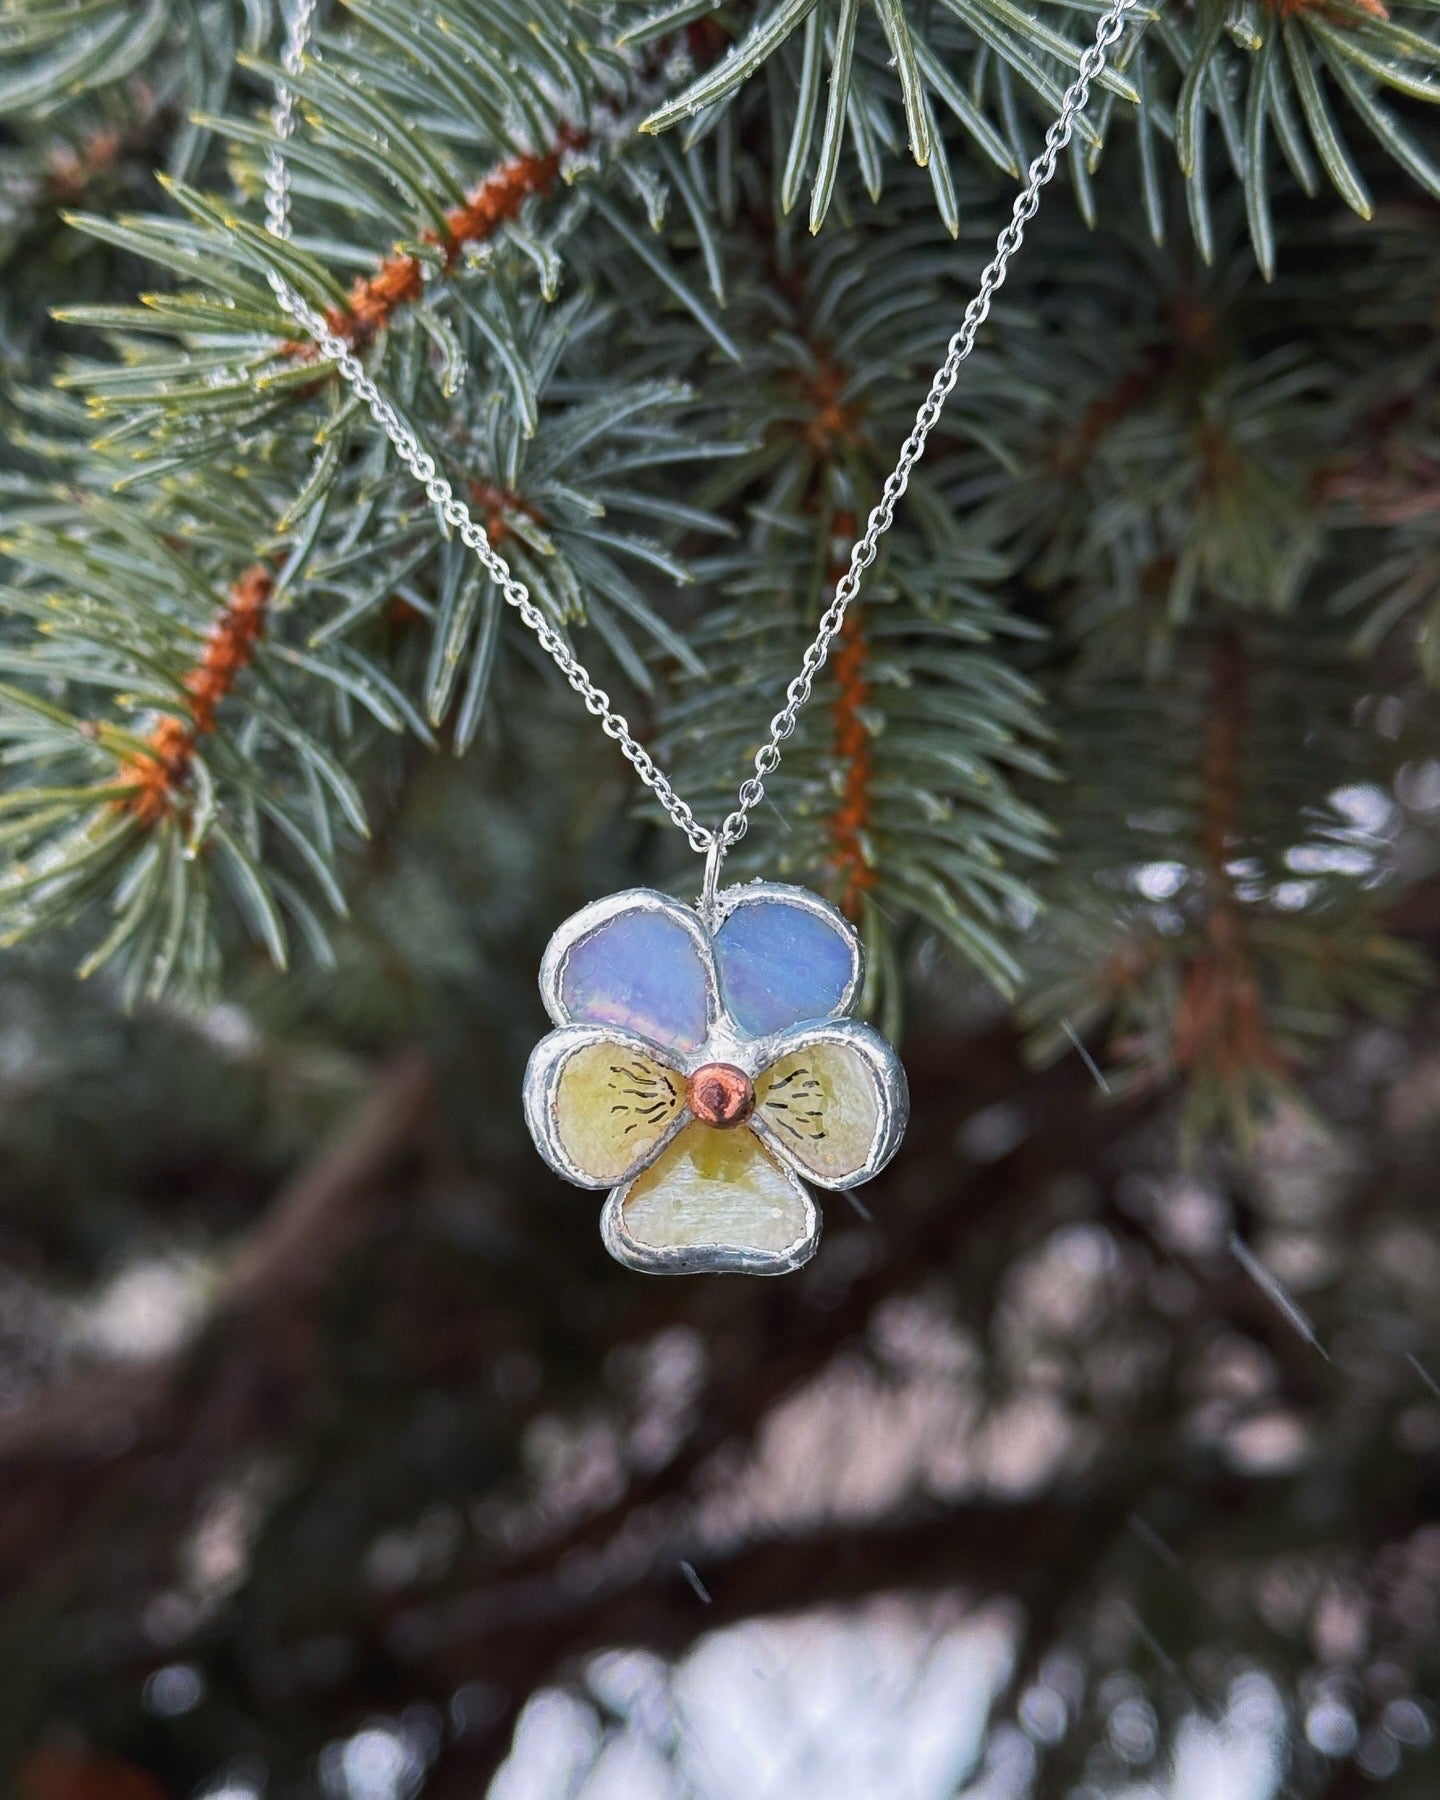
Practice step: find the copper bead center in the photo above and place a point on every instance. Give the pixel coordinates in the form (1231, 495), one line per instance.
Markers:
(720, 1094)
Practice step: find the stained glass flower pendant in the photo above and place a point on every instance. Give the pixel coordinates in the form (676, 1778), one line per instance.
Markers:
(705, 1069)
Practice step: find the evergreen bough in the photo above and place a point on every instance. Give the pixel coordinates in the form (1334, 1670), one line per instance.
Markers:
(1133, 722)
(573, 244)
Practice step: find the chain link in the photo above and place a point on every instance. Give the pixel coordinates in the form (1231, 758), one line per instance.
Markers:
(407, 446)
(298, 27)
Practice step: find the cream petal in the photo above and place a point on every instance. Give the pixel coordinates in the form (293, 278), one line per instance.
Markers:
(599, 1105)
(834, 1105)
(712, 1200)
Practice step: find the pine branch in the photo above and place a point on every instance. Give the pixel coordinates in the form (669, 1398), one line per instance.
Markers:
(1221, 1031)
(158, 775)
(850, 823)
(897, 799)
(498, 199)
(1262, 74)
(910, 788)
(1228, 942)
(129, 808)
(87, 88)
(862, 46)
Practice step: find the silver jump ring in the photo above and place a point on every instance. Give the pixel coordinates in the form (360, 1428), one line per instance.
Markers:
(714, 857)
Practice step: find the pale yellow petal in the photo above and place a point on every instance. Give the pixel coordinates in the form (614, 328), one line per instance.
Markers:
(717, 1189)
(612, 1106)
(823, 1104)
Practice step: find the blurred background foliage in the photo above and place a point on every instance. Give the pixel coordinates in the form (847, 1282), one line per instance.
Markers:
(1098, 1452)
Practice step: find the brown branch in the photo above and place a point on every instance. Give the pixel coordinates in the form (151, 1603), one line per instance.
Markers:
(321, 1212)
(156, 778)
(1388, 490)
(1333, 15)
(400, 279)
(514, 1637)
(63, 1773)
(65, 1456)
(1192, 340)
(851, 819)
(499, 505)
(1075, 451)
(833, 422)
(1221, 1023)
(980, 1547)
(516, 1627)
(72, 169)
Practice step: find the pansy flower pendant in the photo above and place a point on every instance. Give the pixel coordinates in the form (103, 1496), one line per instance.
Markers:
(704, 1070)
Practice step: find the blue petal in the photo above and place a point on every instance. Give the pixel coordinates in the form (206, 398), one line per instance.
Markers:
(643, 972)
(782, 964)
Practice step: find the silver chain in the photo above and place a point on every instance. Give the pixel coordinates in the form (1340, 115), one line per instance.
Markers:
(711, 843)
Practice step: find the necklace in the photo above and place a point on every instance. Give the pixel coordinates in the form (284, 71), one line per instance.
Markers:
(704, 1067)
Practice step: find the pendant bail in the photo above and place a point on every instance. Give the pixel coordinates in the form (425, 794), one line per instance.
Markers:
(714, 856)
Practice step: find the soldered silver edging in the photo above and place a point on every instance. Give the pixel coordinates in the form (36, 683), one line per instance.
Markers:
(707, 1259)
(722, 1043)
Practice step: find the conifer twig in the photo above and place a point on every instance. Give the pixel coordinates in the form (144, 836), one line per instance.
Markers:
(852, 747)
(156, 776)
(1220, 1023)
(400, 279)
